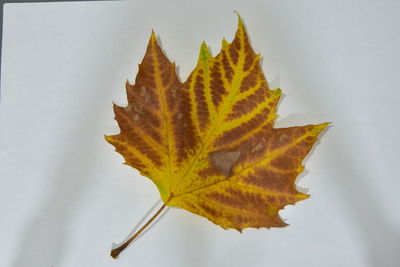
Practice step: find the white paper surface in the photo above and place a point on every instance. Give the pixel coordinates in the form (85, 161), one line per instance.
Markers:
(65, 197)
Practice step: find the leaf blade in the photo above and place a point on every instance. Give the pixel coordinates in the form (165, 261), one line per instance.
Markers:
(209, 143)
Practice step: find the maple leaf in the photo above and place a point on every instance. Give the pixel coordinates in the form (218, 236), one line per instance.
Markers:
(209, 144)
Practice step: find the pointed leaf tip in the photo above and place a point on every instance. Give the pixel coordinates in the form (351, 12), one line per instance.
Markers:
(224, 43)
(153, 38)
(240, 21)
(204, 52)
(322, 126)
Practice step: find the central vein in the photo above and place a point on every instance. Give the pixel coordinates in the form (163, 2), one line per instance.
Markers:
(220, 118)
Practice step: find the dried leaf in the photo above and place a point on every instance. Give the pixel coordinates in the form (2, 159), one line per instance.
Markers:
(209, 144)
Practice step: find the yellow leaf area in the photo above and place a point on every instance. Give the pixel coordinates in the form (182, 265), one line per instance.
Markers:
(209, 143)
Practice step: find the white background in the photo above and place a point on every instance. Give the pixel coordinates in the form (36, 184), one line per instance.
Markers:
(65, 197)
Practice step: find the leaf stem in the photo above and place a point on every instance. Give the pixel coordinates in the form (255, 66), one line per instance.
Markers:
(115, 252)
